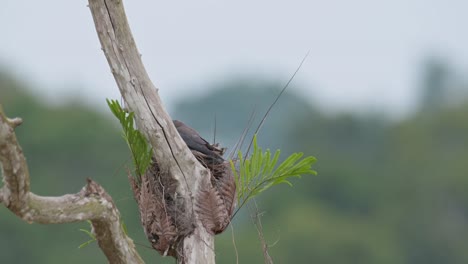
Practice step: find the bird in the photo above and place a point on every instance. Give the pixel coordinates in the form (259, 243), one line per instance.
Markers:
(198, 145)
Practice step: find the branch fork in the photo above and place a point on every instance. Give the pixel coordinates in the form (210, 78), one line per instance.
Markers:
(91, 203)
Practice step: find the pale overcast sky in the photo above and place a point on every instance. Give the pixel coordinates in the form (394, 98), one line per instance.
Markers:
(364, 54)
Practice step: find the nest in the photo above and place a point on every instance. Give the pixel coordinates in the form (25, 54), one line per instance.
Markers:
(163, 211)
(216, 203)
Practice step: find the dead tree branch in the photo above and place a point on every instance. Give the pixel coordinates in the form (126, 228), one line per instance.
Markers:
(91, 203)
(141, 97)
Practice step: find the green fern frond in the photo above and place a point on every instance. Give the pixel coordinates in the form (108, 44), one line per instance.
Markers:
(257, 173)
(139, 147)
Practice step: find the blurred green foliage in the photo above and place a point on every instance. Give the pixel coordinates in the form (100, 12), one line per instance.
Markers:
(387, 191)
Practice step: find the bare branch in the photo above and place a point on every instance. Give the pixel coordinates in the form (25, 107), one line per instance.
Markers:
(91, 203)
(14, 168)
(257, 221)
(138, 91)
(141, 97)
(1, 195)
(234, 244)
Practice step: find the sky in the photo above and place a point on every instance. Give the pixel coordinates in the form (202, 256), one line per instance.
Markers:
(364, 54)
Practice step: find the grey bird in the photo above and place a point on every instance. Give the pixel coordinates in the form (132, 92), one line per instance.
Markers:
(198, 144)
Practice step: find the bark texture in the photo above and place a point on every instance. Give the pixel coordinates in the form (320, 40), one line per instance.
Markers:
(91, 203)
(173, 157)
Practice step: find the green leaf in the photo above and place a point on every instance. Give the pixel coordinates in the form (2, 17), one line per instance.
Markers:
(124, 227)
(139, 147)
(257, 173)
(86, 243)
(91, 235)
(88, 233)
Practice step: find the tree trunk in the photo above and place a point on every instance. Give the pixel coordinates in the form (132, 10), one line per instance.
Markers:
(141, 97)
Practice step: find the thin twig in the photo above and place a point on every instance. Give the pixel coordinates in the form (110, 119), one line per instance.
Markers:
(240, 142)
(214, 130)
(234, 243)
(276, 100)
(1, 195)
(258, 225)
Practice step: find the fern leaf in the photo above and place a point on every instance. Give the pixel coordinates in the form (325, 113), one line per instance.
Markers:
(259, 172)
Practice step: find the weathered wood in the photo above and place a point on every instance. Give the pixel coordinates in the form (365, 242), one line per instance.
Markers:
(91, 203)
(141, 97)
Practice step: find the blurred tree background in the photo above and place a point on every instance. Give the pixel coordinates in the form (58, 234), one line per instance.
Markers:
(388, 191)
